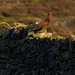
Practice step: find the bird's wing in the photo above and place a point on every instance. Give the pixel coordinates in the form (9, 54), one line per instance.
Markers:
(40, 25)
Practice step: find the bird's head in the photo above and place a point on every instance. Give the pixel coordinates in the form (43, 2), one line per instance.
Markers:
(48, 17)
(49, 13)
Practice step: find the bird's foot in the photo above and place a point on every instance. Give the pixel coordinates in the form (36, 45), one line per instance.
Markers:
(45, 31)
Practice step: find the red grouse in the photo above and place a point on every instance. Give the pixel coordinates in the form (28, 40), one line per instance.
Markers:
(43, 24)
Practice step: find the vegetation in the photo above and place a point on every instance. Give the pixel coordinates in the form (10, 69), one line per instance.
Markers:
(29, 53)
(54, 31)
(32, 11)
(22, 10)
(4, 26)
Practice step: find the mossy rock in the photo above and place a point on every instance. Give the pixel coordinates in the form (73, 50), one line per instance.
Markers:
(4, 26)
(40, 34)
(65, 55)
(19, 26)
(73, 37)
(57, 37)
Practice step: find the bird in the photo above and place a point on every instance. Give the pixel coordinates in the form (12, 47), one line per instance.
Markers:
(44, 23)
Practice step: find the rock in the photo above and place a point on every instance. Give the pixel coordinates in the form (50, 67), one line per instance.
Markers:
(0, 45)
(22, 55)
(7, 43)
(6, 34)
(23, 33)
(12, 30)
(73, 61)
(51, 62)
(22, 41)
(72, 66)
(22, 73)
(13, 44)
(1, 35)
(14, 35)
(65, 55)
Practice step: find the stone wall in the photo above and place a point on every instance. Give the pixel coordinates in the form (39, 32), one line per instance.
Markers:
(42, 56)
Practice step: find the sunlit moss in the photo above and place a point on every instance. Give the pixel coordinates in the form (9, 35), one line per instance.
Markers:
(4, 26)
(19, 26)
(57, 37)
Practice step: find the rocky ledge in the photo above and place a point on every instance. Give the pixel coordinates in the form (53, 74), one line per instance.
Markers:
(22, 55)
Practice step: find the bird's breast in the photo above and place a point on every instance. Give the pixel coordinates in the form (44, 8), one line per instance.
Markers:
(45, 25)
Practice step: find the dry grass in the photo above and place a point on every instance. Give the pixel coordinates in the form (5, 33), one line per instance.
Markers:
(30, 11)
(4, 26)
(62, 27)
(37, 8)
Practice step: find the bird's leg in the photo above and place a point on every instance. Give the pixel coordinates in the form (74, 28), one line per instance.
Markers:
(45, 30)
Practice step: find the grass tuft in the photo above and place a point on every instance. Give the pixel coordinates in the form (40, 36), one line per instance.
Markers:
(4, 26)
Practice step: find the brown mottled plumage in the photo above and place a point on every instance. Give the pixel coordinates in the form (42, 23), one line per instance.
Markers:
(43, 24)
